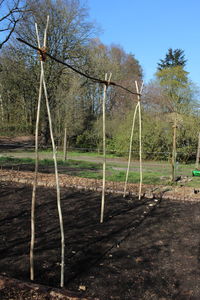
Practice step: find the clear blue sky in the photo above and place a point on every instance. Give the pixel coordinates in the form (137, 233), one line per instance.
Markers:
(147, 28)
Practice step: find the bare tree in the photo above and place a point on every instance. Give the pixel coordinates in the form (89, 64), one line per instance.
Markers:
(11, 13)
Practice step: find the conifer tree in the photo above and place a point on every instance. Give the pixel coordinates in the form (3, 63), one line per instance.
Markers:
(173, 58)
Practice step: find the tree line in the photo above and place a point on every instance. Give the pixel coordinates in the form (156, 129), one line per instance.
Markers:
(76, 101)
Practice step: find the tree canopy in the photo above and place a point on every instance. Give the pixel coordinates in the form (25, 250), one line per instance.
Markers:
(75, 101)
(174, 81)
(173, 58)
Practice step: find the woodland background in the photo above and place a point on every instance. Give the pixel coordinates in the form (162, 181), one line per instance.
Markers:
(170, 98)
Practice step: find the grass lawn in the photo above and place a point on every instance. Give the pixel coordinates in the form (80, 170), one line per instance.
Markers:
(153, 172)
(82, 153)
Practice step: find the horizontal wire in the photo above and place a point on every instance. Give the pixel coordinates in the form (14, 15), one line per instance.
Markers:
(106, 82)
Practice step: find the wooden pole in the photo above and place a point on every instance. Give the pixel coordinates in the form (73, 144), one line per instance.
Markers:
(33, 202)
(65, 145)
(2, 109)
(35, 185)
(57, 184)
(137, 108)
(104, 152)
(174, 127)
(104, 148)
(198, 154)
(140, 134)
(55, 165)
(130, 149)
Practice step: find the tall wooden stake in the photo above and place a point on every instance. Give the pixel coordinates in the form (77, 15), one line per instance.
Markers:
(65, 145)
(198, 154)
(174, 154)
(32, 244)
(2, 109)
(55, 165)
(140, 134)
(104, 148)
(130, 149)
(137, 108)
(57, 185)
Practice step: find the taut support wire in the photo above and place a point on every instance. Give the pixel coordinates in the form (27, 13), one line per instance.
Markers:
(106, 82)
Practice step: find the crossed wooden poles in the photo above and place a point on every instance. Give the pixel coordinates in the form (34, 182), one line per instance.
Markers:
(137, 108)
(43, 84)
(44, 88)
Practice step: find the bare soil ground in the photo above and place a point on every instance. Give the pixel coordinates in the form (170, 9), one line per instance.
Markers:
(144, 250)
(147, 249)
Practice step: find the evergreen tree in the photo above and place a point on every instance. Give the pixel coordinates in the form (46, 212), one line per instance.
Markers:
(174, 80)
(173, 58)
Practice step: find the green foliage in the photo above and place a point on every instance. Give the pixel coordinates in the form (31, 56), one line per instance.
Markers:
(87, 140)
(173, 78)
(76, 103)
(174, 82)
(173, 58)
(156, 138)
(176, 87)
(156, 135)
(187, 138)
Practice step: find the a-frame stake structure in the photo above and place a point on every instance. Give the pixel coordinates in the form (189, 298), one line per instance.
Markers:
(137, 108)
(43, 83)
(36, 162)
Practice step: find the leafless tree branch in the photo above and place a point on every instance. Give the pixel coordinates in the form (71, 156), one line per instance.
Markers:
(13, 12)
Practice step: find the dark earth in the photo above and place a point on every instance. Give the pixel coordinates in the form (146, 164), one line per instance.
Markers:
(147, 249)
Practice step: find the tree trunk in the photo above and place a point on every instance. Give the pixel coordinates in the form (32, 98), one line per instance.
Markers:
(198, 154)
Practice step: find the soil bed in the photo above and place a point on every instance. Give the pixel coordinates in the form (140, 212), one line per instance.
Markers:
(144, 250)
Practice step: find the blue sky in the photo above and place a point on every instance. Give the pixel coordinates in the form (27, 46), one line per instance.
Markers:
(148, 29)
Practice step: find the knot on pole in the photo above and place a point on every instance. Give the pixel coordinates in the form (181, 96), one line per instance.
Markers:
(174, 126)
(107, 83)
(42, 53)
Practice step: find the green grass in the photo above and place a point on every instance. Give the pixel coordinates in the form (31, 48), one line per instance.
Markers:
(195, 183)
(153, 172)
(134, 177)
(6, 160)
(81, 153)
